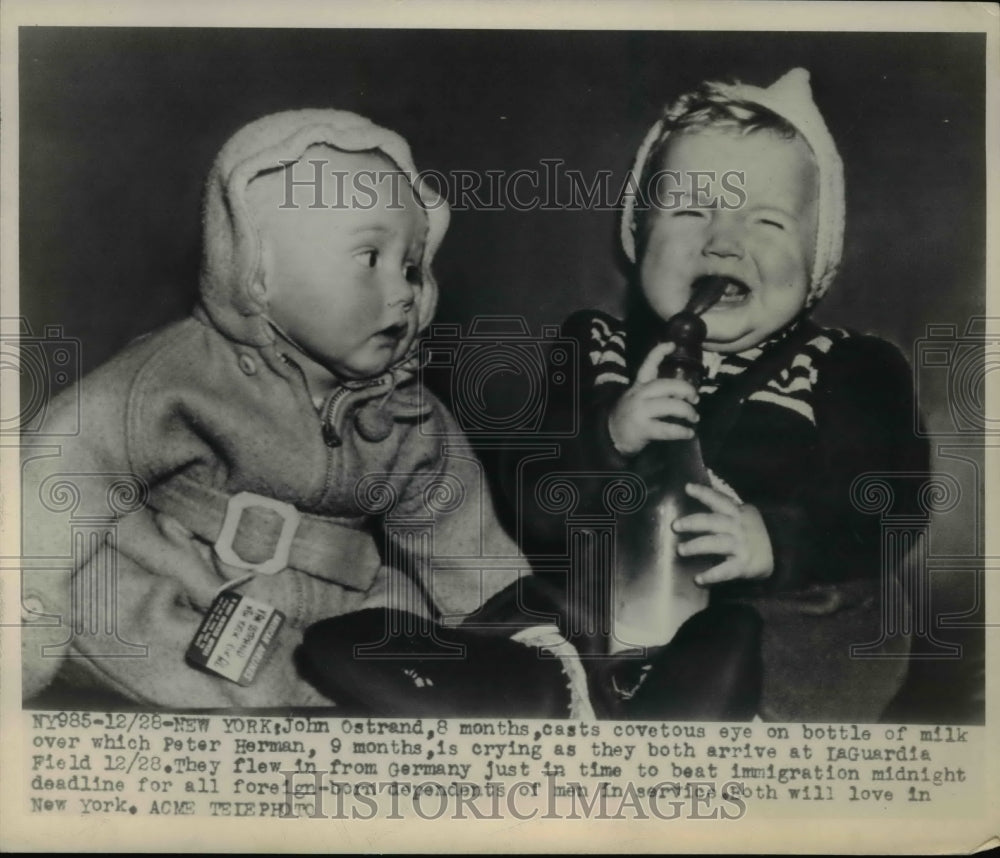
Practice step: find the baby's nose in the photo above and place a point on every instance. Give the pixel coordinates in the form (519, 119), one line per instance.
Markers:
(401, 291)
(724, 237)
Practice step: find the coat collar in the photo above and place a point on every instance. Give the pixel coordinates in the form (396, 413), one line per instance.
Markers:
(376, 404)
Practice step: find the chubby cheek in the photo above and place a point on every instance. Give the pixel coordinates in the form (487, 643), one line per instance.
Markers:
(786, 259)
(664, 274)
(788, 282)
(362, 312)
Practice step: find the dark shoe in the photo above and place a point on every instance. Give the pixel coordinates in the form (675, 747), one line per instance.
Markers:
(710, 671)
(394, 664)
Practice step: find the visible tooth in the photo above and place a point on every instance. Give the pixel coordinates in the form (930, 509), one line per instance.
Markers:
(735, 290)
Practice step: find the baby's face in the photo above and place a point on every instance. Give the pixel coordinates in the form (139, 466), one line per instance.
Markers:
(343, 282)
(766, 246)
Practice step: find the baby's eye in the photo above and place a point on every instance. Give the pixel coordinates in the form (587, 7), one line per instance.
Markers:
(766, 221)
(368, 258)
(697, 213)
(413, 274)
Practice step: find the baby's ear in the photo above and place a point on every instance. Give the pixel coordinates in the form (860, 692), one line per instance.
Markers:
(261, 281)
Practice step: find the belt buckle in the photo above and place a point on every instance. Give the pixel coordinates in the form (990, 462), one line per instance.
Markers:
(282, 548)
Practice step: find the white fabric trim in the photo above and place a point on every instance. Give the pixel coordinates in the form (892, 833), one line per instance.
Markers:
(796, 405)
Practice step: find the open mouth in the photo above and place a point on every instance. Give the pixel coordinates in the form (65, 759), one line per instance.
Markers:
(736, 292)
(393, 332)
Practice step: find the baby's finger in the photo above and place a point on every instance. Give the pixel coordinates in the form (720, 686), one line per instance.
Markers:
(666, 407)
(675, 388)
(713, 499)
(725, 571)
(713, 543)
(647, 372)
(706, 522)
(664, 430)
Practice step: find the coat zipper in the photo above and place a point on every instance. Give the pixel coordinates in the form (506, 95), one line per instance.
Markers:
(330, 435)
(331, 438)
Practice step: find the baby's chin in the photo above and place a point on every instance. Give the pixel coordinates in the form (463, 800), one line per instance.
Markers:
(737, 342)
(728, 348)
(378, 359)
(732, 331)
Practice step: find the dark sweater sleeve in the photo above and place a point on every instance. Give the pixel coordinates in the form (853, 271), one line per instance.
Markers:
(866, 423)
(600, 386)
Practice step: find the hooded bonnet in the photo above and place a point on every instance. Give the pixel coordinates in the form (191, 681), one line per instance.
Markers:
(231, 254)
(790, 98)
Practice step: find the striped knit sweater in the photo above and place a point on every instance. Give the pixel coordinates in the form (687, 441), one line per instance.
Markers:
(788, 425)
(791, 387)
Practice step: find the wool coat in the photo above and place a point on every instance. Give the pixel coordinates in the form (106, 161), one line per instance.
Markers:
(197, 457)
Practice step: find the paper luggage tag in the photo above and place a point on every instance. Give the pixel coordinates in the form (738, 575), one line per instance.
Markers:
(236, 636)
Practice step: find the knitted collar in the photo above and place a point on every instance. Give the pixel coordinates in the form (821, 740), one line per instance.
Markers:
(642, 329)
(735, 362)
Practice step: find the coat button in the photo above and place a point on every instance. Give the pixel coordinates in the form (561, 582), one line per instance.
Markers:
(247, 364)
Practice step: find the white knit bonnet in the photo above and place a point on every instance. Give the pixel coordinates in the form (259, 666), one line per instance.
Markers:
(790, 98)
(231, 255)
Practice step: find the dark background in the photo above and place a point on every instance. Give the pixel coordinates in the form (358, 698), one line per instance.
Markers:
(119, 126)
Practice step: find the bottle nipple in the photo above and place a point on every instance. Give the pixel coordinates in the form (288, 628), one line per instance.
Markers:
(705, 292)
